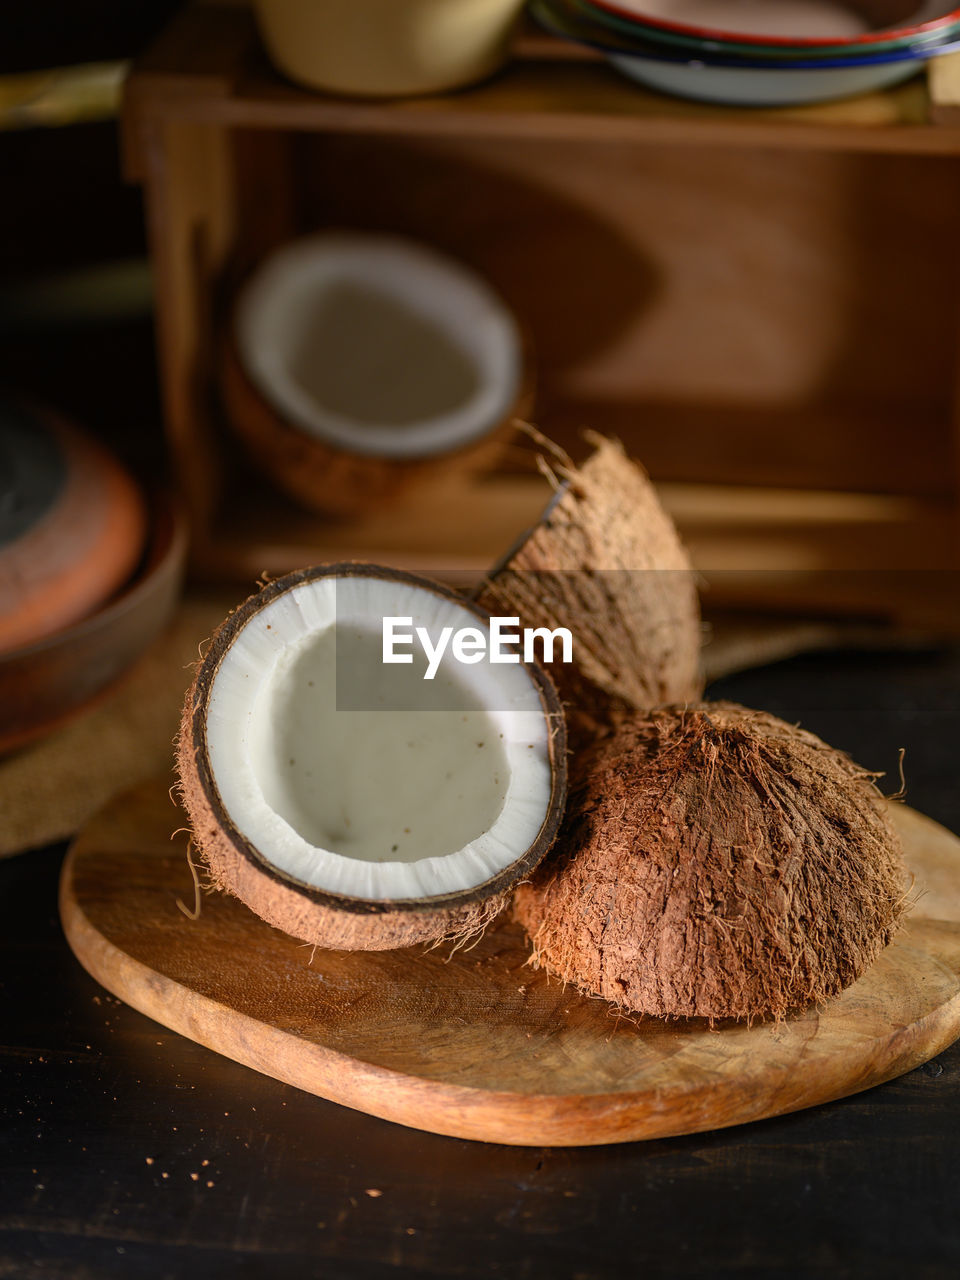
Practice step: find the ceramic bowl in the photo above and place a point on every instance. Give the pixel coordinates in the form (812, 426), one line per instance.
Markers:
(760, 22)
(46, 683)
(387, 48)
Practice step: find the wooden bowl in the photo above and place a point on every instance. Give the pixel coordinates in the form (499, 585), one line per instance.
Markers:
(46, 683)
(73, 524)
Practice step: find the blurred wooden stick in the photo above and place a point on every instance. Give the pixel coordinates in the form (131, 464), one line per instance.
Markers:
(61, 95)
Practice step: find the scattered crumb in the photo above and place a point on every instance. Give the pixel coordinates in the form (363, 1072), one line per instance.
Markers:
(373, 1192)
(209, 1183)
(204, 1163)
(411, 1231)
(194, 1177)
(149, 1159)
(164, 1175)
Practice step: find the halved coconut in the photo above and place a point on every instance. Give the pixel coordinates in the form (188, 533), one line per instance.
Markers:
(716, 862)
(606, 562)
(355, 803)
(359, 364)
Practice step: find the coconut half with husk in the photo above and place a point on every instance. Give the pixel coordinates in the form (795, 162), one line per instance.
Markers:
(358, 803)
(605, 560)
(716, 862)
(359, 366)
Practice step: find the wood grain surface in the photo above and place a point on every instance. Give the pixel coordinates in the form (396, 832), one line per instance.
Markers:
(473, 1043)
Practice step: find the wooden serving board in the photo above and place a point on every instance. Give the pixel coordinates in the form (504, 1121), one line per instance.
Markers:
(475, 1043)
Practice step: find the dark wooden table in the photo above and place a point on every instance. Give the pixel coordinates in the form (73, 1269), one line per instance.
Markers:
(129, 1152)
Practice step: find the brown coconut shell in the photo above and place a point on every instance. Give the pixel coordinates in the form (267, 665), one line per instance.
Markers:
(716, 863)
(304, 911)
(606, 562)
(332, 481)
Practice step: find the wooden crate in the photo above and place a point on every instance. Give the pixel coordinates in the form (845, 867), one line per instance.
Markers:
(763, 304)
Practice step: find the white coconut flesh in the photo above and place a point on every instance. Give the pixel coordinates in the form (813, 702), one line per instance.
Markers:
(378, 346)
(363, 779)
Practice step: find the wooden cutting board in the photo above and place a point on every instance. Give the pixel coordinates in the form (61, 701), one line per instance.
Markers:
(475, 1043)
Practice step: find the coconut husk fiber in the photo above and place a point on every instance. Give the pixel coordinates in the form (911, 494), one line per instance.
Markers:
(607, 563)
(716, 862)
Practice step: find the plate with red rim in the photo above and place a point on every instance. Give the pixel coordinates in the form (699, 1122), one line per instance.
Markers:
(735, 46)
(572, 20)
(735, 81)
(887, 21)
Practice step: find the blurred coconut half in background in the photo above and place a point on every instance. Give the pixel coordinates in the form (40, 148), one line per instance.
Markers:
(357, 366)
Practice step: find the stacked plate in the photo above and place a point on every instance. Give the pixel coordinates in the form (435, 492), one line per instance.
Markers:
(760, 52)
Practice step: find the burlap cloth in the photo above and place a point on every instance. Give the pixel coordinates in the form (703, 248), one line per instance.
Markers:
(48, 791)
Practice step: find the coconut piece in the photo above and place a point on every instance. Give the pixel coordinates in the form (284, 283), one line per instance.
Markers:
(606, 562)
(718, 863)
(354, 803)
(358, 366)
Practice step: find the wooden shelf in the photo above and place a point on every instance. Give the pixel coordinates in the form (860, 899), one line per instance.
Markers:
(800, 550)
(552, 90)
(761, 304)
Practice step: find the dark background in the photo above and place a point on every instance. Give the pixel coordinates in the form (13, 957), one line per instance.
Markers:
(65, 208)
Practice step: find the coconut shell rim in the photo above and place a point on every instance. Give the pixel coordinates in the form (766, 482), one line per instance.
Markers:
(504, 880)
(502, 564)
